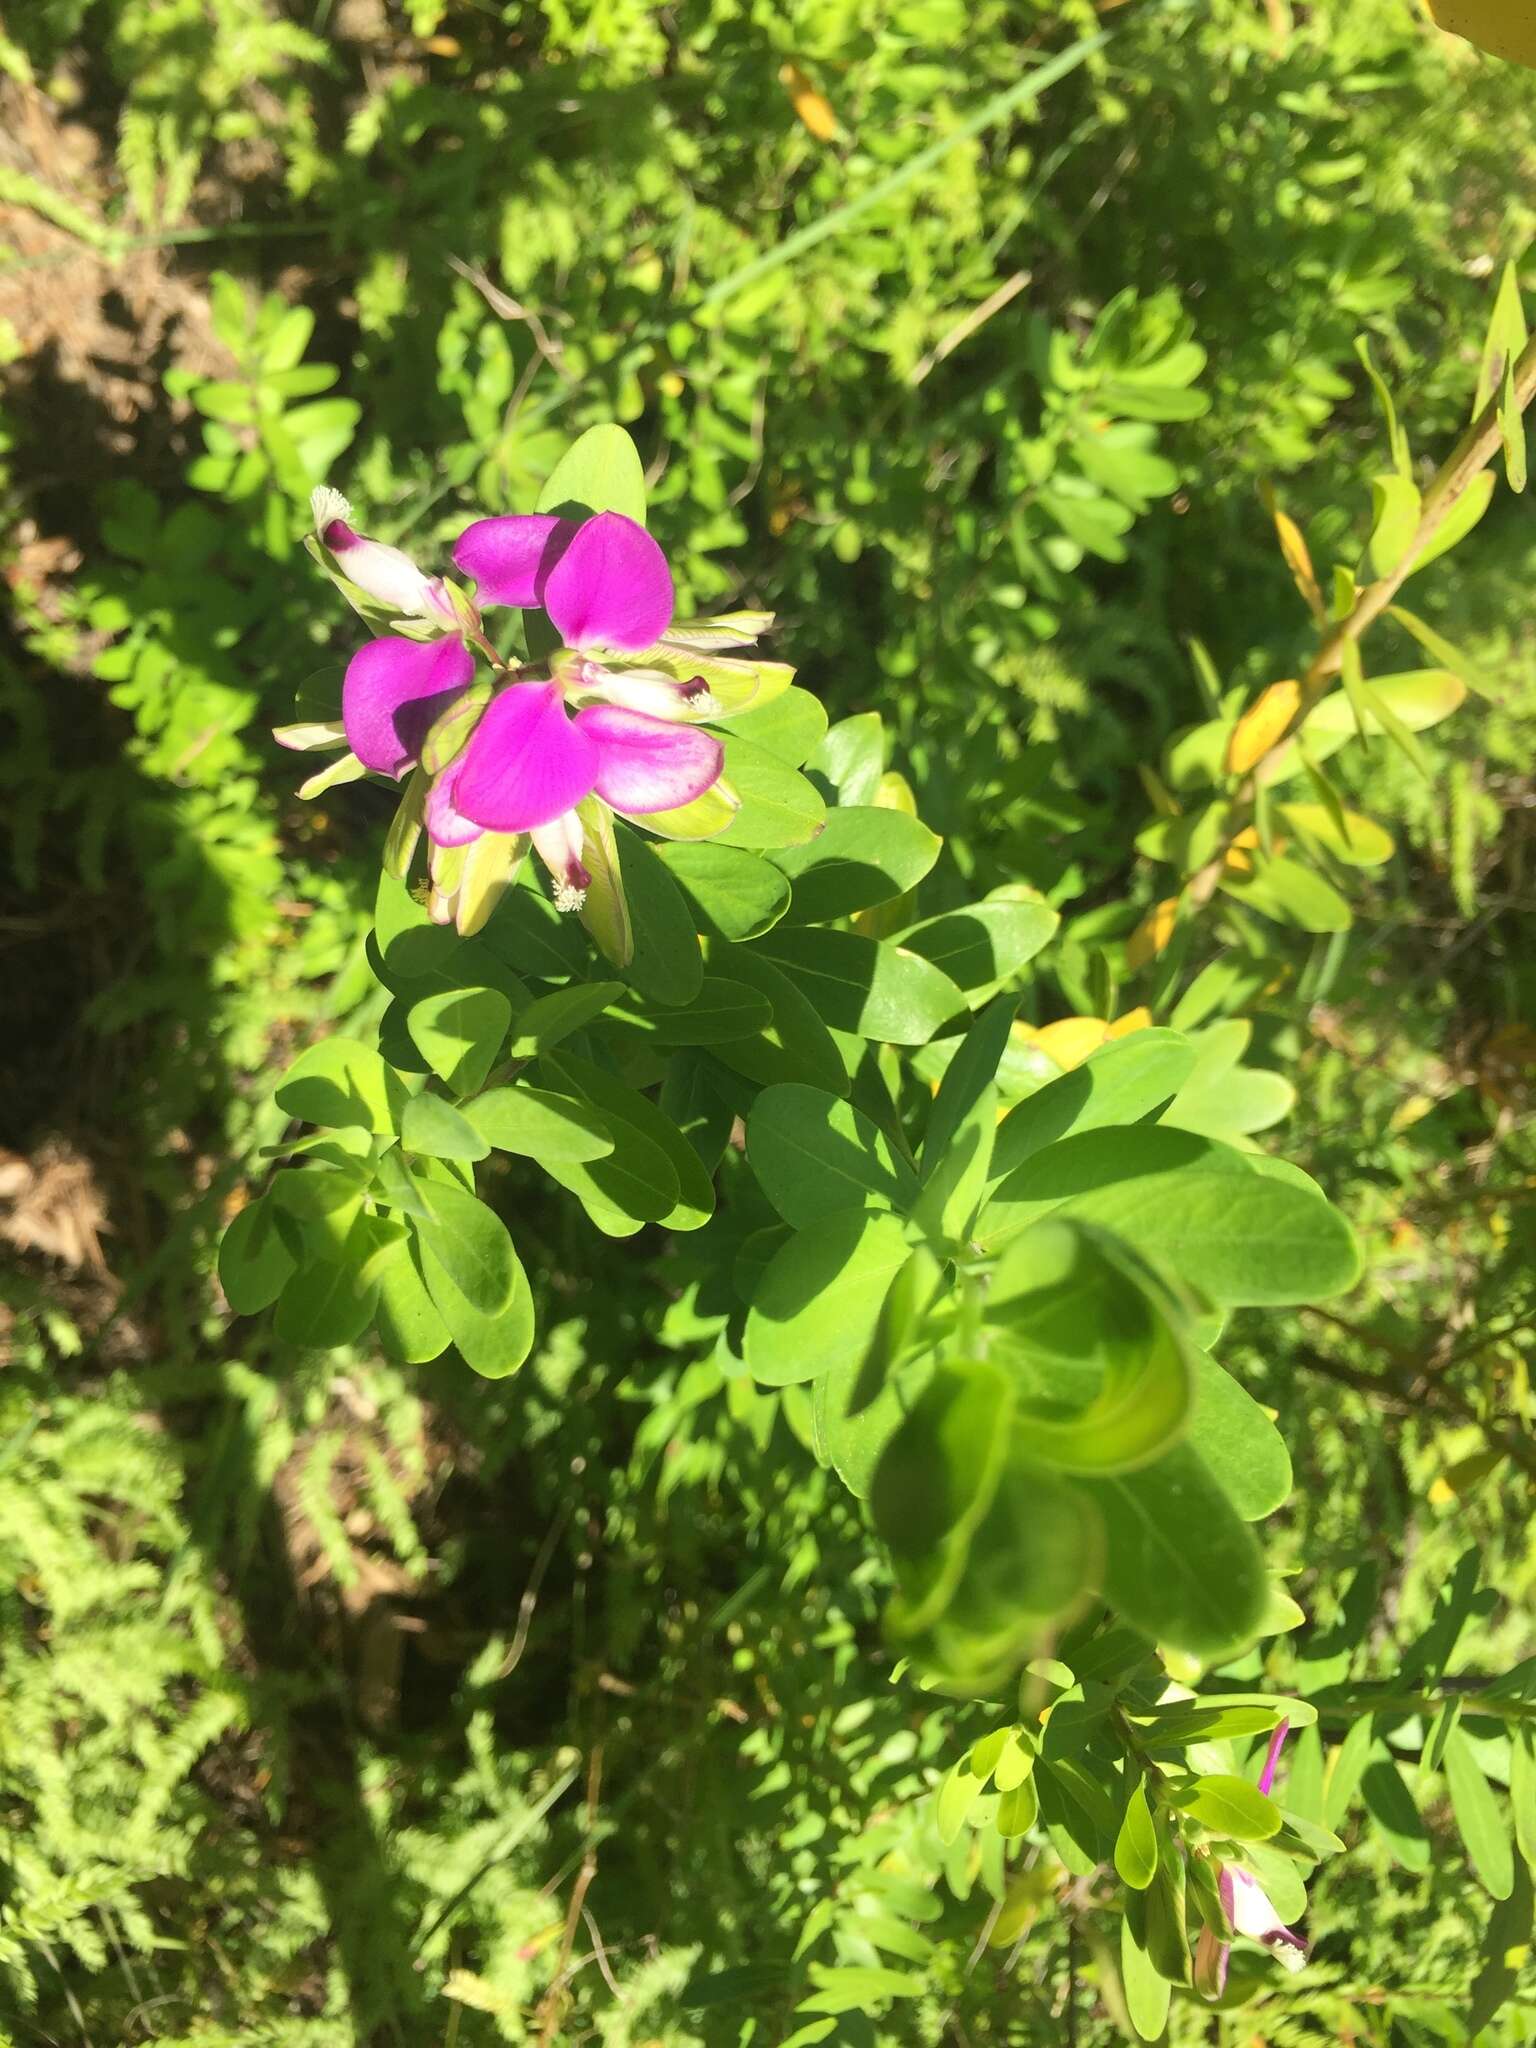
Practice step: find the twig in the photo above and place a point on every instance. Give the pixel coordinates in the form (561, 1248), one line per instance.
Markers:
(964, 329)
(1467, 460)
(577, 1907)
(530, 1599)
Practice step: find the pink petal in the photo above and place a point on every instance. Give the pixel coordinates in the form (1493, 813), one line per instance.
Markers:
(610, 588)
(394, 690)
(644, 764)
(526, 763)
(1276, 1744)
(510, 558)
(446, 823)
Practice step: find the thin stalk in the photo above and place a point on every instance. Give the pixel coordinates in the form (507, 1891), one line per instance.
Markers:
(997, 108)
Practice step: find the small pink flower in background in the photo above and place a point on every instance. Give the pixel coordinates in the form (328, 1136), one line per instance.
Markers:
(1247, 1905)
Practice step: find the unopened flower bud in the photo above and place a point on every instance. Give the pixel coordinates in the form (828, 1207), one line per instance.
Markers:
(386, 574)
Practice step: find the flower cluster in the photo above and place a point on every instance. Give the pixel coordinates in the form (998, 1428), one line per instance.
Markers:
(612, 721)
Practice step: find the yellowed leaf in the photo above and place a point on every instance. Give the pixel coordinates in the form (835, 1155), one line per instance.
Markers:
(1151, 936)
(1504, 28)
(1298, 558)
(1262, 725)
(815, 110)
(1068, 1041)
(1139, 1019)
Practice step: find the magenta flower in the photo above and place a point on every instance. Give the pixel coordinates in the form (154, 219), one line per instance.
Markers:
(1247, 1905)
(612, 720)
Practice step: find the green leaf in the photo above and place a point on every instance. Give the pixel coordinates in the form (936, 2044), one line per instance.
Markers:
(404, 834)
(851, 1429)
(1018, 1809)
(865, 986)
(1136, 1843)
(1357, 841)
(347, 768)
(460, 1034)
(493, 1344)
(957, 1795)
(1391, 1805)
(409, 1325)
(1346, 1770)
(1460, 520)
(779, 807)
(733, 893)
(549, 1019)
(1512, 431)
(790, 725)
(1229, 1806)
(599, 472)
(1147, 1993)
(1101, 1341)
(1180, 1565)
(324, 1305)
(342, 1084)
(861, 856)
(258, 1255)
(622, 1106)
(470, 1243)
(1395, 509)
(1031, 1558)
(1446, 654)
(1483, 1827)
(1417, 698)
(539, 1124)
(1397, 440)
(798, 1047)
(1218, 1717)
(1522, 1789)
(967, 1079)
(437, 1129)
(1505, 338)
(1292, 894)
(1165, 1916)
(1092, 1160)
(1123, 1082)
(1239, 1443)
(857, 1987)
(941, 1470)
(819, 1299)
(1238, 1239)
(706, 817)
(1505, 1963)
(604, 912)
(721, 1011)
(984, 943)
(815, 1155)
(851, 757)
(667, 966)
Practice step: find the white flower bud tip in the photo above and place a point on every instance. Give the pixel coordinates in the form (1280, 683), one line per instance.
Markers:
(326, 507)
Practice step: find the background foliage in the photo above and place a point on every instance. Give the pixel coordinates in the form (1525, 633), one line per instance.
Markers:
(344, 1701)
